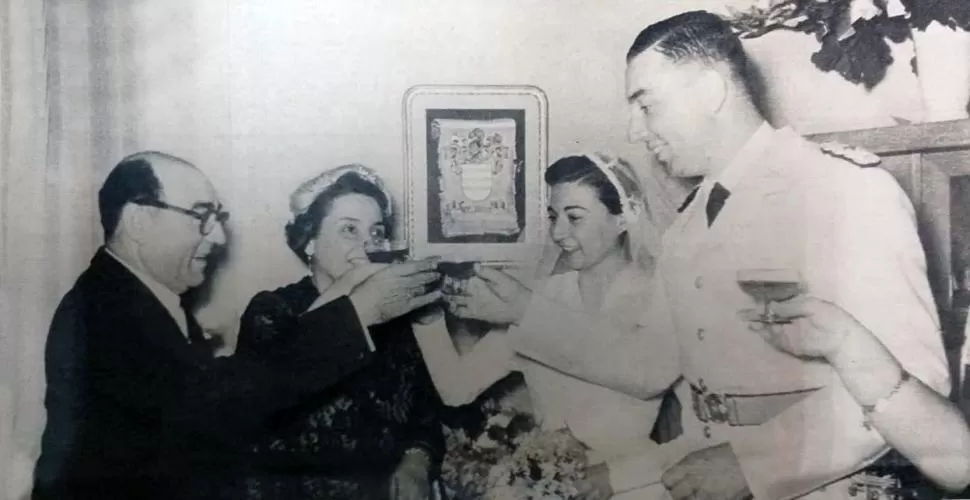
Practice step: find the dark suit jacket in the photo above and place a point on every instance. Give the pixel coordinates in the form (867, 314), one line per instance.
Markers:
(134, 410)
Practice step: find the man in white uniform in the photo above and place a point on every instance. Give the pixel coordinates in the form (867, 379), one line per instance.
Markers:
(757, 422)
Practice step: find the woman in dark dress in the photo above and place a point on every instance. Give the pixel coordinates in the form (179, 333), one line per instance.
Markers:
(376, 435)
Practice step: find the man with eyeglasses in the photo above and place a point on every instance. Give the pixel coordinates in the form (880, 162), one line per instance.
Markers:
(138, 407)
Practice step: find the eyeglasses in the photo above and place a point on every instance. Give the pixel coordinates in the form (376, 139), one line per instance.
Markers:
(207, 218)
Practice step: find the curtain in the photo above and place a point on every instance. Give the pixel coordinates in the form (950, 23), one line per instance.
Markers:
(68, 107)
(25, 300)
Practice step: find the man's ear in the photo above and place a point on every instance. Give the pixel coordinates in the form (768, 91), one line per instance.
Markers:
(135, 221)
(712, 89)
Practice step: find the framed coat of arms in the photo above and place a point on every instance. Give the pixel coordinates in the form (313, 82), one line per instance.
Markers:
(474, 162)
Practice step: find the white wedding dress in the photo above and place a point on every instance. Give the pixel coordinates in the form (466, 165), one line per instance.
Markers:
(613, 425)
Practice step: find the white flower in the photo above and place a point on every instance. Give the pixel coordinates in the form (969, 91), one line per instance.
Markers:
(485, 442)
(502, 420)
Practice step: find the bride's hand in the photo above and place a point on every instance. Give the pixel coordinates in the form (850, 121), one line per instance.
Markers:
(491, 295)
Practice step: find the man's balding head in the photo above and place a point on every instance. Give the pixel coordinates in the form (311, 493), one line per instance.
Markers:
(134, 178)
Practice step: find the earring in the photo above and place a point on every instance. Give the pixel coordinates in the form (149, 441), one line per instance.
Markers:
(310, 251)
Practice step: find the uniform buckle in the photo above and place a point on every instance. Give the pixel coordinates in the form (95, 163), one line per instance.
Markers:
(710, 407)
(869, 486)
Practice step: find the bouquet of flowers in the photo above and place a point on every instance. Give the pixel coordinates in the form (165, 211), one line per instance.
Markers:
(547, 465)
(511, 458)
(472, 452)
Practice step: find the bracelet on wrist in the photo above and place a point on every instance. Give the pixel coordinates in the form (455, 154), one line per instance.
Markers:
(881, 403)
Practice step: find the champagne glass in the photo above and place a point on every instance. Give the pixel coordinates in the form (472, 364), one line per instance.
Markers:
(770, 285)
(387, 253)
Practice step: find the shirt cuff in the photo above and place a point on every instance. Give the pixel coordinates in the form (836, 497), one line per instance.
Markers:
(365, 329)
(633, 472)
(759, 487)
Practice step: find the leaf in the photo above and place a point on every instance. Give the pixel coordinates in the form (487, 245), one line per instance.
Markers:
(896, 29)
(862, 58)
(950, 13)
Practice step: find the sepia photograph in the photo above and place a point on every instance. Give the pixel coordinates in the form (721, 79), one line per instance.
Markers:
(484, 250)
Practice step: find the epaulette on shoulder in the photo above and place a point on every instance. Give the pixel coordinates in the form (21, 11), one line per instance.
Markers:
(859, 156)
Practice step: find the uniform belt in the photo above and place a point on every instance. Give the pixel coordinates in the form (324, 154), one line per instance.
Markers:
(742, 409)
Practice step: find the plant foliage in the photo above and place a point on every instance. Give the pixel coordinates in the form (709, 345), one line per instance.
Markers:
(853, 35)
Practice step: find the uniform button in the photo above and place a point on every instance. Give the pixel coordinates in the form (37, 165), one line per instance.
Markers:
(698, 282)
(707, 431)
(700, 334)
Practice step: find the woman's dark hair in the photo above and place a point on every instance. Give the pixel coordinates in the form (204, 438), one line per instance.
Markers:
(582, 170)
(304, 228)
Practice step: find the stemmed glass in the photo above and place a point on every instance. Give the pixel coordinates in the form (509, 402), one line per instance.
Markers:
(770, 285)
(386, 252)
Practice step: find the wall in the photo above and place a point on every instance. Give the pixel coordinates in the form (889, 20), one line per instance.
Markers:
(283, 90)
(263, 94)
(266, 94)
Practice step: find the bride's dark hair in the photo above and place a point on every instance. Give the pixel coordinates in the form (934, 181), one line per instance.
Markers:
(582, 170)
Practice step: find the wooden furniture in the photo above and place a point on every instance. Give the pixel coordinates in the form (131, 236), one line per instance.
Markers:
(932, 163)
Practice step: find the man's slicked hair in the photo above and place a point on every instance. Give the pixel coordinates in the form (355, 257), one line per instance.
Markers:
(694, 36)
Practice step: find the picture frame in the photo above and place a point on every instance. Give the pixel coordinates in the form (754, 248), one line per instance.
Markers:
(473, 172)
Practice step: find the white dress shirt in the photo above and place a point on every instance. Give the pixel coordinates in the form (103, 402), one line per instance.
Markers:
(169, 299)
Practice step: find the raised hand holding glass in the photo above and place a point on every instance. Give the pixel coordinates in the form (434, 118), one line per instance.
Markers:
(770, 285)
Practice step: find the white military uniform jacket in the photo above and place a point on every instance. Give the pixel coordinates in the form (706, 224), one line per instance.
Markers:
(850, 233)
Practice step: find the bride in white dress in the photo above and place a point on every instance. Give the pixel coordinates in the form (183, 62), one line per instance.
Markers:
(606, 239)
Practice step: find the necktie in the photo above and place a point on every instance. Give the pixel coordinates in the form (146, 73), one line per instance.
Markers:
(196, 337)
(715, 202)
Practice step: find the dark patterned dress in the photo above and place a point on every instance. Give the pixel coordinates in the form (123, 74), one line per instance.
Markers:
(345, 442)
